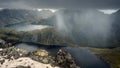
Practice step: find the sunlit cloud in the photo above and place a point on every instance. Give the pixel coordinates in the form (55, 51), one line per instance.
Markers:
(52, 10)
(108, 11)
(39, 9)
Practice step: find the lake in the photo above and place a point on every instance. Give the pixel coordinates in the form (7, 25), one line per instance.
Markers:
(27, 27)
(83, 57)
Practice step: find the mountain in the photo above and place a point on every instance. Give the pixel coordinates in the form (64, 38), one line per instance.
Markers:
(13, 16)
(71, 26)
(45, 14)
(48, 36)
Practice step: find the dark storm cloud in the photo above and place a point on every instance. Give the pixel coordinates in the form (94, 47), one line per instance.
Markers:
(60, 4)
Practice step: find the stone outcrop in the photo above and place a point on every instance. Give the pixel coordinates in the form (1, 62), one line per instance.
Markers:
(65, 60)
(3, 44)
(42, 56)
(9, 55)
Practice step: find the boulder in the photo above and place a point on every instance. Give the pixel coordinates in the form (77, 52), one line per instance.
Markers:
(42, 53)
(42, 56)
(65, 60)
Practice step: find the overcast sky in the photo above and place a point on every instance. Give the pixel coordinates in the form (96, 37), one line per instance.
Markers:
(99, 4)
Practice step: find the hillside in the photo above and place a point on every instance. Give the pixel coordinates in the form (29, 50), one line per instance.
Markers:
(14, 16)
(112, 56)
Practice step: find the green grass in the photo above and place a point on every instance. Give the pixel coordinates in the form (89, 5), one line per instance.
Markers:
(9, 35)
(112, 56)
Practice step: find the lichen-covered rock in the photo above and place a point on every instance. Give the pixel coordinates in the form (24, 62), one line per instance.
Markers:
(42, 56)
(12, 52)
(3, 44)
(42, 53)
(65, 60)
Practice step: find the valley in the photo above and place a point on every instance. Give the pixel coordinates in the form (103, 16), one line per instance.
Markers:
(92, 41)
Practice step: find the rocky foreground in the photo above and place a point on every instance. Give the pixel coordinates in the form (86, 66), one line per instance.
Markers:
(13, 57)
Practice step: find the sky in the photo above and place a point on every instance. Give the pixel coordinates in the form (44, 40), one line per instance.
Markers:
(105, 6)
(101, 4)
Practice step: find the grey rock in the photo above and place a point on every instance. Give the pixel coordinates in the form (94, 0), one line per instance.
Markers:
(65, 60)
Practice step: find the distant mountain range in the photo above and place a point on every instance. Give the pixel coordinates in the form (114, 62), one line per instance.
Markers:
(13, 16)
(81, 27)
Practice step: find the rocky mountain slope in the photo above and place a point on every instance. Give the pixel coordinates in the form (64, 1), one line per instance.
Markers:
(14, 16)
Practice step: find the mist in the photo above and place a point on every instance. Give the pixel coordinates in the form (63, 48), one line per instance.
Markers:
(88, 27)
(85, 27)
(61, 25)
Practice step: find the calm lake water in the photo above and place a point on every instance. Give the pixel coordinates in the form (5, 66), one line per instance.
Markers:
(84, 58)
(28, 27)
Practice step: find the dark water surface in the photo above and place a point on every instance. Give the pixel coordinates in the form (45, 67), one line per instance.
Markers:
(83, 58)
